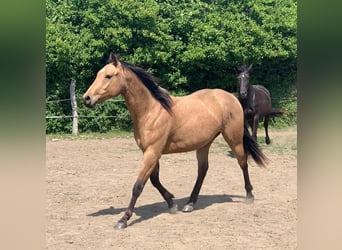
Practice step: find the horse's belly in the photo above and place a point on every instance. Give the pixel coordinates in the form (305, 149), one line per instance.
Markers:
(184, 146)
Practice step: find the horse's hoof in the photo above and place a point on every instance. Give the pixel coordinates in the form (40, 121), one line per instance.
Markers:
(120, 225)
(188, 208)
(249, 199)
(173, 209)
(268, 141)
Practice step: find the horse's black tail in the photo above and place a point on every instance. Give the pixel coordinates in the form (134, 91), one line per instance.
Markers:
(251, 147)
(277, 112)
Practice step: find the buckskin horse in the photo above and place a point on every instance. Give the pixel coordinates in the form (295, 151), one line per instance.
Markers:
(164, 124)
(256, 102)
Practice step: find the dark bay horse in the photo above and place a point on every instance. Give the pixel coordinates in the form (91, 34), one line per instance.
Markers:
(256, 102)
(164, 124)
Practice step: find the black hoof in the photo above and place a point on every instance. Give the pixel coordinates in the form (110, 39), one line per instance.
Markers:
(268, 141)
(173, 209)
(188, 208)
(120, 225)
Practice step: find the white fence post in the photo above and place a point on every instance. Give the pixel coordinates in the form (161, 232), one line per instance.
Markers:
(74, 107)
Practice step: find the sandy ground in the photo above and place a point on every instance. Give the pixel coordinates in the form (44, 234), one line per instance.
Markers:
(89, 184)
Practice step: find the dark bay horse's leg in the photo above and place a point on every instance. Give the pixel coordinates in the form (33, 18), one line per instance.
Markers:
(266, 119)
(249, 115)
(250, 123)
(149, 162)
(202, 159)
(255, 126)
(162, 190)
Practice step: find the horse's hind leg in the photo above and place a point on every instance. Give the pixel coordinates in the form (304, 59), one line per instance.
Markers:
(202, 158)
(235, 141)
(266, 119)
(162, 190)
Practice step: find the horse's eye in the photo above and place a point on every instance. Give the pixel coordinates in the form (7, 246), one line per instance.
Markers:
(108, 76)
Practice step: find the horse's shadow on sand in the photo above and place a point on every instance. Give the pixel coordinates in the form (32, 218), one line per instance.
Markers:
(147, 212)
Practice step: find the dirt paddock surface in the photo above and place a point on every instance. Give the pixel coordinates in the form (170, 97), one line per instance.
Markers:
(89, 184)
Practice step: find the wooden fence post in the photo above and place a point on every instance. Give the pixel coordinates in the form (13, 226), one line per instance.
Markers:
(74, 107)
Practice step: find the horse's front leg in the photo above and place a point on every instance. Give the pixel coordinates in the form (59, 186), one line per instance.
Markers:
(255, 126)
(150, 160)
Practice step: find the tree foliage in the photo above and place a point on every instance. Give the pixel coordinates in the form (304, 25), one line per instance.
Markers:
(188, 44)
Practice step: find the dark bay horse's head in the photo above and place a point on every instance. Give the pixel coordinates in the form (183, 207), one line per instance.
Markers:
(243, 80)
(108, 83)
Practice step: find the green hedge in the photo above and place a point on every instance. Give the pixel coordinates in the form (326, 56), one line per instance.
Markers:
(188, 44)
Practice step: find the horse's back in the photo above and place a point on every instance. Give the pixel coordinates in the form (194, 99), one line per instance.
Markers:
(260, 100)
(262, 90)
(210, 104)
(218, 94)
(216, 100)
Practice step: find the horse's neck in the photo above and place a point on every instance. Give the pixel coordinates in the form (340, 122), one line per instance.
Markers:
(250, 101)
(138, 98)
(250, 89)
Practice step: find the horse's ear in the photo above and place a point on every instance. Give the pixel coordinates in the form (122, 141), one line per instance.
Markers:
(239, 69)
(250, 67)
(113, 58)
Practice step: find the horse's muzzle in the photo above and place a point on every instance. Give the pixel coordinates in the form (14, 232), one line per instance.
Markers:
(243, 95)
(87, 102)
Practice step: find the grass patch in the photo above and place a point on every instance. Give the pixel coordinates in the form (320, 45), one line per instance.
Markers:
(283, 141)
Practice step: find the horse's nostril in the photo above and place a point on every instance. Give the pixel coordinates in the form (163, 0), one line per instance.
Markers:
(87, 100)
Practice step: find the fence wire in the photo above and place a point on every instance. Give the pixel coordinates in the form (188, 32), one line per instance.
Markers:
(281, 100)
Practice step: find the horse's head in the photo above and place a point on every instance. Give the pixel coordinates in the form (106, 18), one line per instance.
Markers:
(108, 83)
(243, 80)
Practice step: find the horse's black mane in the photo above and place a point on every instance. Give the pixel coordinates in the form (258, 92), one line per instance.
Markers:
(150, 82)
